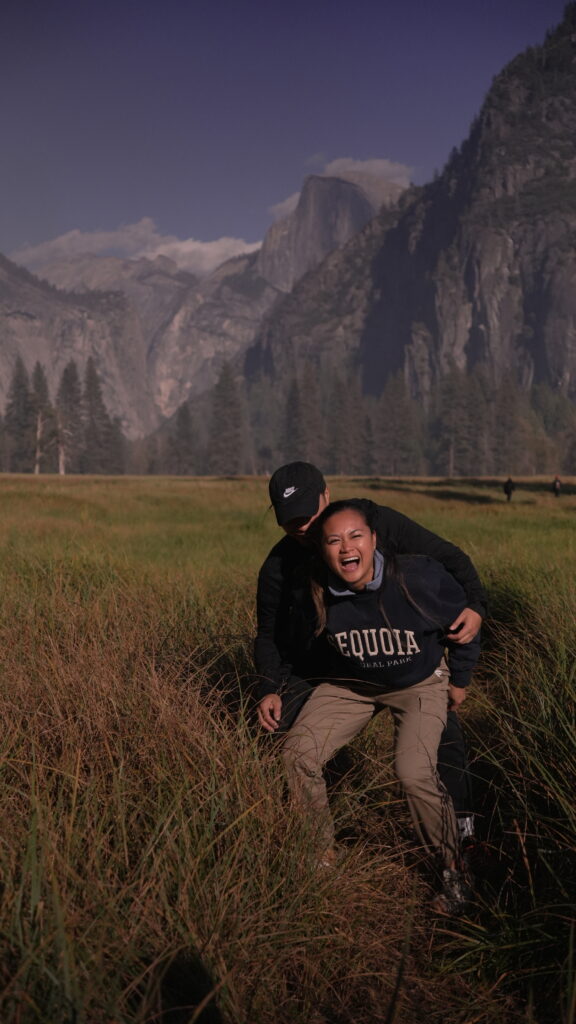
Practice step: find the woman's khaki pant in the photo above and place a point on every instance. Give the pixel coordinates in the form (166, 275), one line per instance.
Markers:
(333, 715)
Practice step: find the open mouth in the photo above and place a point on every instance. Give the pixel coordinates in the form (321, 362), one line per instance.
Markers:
(348, 564)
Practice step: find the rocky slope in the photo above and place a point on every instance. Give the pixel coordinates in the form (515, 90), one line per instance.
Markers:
(154, 288)
(41, 324)
(172, 331)
(479, 267)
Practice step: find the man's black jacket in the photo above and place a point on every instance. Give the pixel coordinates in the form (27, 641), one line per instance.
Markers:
(283, 647)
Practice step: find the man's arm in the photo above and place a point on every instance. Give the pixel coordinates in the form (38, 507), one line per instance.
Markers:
(408, 537)
(271, 609)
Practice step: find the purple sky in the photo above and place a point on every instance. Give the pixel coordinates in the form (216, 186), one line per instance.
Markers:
(204, 115)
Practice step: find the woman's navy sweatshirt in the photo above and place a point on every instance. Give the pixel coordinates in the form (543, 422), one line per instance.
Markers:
(283, 646)
(379, 639)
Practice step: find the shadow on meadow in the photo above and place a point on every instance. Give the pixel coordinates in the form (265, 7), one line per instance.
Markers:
(179, 991)
(447, 488)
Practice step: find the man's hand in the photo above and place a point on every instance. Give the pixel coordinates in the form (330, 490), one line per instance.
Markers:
(465, 627)
(456, 695)
(269, 711)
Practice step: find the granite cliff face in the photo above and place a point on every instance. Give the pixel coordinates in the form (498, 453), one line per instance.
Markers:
(477, 268)
(172, 329)
(154, 288)
(215, 321)
(329, 212)
(186, 326)
(41, 324)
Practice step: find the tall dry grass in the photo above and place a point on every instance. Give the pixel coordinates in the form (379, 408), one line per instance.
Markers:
(152, 868)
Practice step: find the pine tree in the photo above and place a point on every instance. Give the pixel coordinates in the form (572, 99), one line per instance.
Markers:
(116, 459)
(398, 431)
(3, 448)
(180, 444)
(345, 429)
(557, 415)
(152, 455)
(313, 421)
(368, 445)
(226, 441)
(69, 425)
(293, 441)
(97, 455)
(266, 417)
(452, 428)
(45, 431)
(513, 429)
(479, 455)
(19, 422)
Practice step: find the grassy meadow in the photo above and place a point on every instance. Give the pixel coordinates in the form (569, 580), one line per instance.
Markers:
(151, 867)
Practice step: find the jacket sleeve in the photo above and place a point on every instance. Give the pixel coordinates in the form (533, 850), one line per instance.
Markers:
(462, 659)
(449, 598)
(271, 669)
(408, 537)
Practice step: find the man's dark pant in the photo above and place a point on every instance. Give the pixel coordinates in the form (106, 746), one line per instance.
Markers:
(453, 765)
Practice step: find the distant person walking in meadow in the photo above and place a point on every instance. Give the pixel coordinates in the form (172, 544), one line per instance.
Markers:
(509, 487)
(556, 486)
(379, 622)
(285, 653)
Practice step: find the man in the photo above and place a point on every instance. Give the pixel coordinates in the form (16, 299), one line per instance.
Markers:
(284, 649)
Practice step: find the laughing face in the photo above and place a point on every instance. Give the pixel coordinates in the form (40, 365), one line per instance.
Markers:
(347, 545)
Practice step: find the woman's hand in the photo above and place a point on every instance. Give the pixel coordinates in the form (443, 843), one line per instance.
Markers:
(465, 627)
(269, 711)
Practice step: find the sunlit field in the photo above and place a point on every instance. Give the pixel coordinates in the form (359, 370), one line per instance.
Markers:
(152, 868)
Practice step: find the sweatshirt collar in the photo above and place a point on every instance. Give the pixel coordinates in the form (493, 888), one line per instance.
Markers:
(335, 584)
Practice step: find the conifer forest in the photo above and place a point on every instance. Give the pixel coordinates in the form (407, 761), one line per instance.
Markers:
(468, 428)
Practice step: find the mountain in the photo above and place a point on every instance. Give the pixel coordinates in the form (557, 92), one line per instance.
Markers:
(329, 212)
(471, 274)
(173, 329)
(52, 327)
(153, 287)
(478, 268)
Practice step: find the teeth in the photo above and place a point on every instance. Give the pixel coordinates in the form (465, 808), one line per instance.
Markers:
(350, 561)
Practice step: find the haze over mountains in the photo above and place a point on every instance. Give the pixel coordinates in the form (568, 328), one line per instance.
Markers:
(172, 329)
(475, 270)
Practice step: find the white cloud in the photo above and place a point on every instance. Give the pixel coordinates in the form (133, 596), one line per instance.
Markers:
(372, 175)
(200, 257)
(133, 241)
(384, 170)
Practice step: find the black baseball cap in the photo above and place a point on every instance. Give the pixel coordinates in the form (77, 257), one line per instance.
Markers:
(295, 491)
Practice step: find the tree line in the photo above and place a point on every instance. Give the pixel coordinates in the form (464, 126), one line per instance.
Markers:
(467, 427)
(72, 434)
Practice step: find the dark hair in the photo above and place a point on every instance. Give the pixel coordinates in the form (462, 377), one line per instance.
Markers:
(319, 570)
(367, 509)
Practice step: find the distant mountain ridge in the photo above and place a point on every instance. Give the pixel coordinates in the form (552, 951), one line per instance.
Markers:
(172, 328)
(474, 271)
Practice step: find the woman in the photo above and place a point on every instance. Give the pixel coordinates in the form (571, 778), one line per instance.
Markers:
(382, 624)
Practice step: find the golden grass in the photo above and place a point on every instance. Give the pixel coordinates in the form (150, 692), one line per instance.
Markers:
(152, 869)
